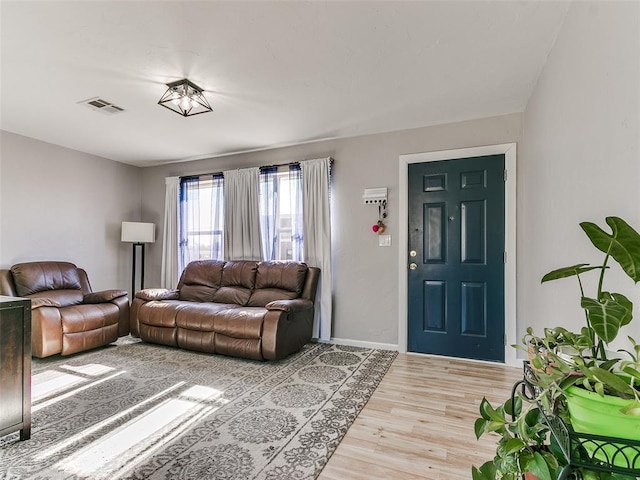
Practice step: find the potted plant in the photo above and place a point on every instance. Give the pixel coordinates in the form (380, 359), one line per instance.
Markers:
(522, 448)
(601, 393)
(525, 447)
(574, 371)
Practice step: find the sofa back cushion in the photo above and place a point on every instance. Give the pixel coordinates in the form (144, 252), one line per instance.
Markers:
(201, 280)
(238, 279)
(58, 281)
(278, 281)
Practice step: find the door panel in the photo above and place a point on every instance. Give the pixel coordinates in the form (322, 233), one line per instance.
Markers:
(456, 227)
(435, 236)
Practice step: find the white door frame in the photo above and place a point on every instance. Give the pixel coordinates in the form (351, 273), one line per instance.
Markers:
(509, 151)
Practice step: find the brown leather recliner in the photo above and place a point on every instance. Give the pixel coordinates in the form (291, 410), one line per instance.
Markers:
(257, 310)
(66, 316)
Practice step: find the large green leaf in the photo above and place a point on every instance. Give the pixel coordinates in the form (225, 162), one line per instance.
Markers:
(565, 272)
(623, 244)
(514, 445)
(606, 316)
(486, 472)
(626, 303)
(479, 427)
(538, 467)
(489, 413)
(611, 380)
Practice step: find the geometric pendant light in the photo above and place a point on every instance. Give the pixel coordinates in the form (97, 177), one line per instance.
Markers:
(185, 98)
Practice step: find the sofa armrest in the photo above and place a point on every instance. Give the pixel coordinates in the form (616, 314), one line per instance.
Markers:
(290, 306)
(39, 302)
(104, 296)
(150, 294)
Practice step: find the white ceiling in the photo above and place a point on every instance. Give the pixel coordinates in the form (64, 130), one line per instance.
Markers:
(275, 73)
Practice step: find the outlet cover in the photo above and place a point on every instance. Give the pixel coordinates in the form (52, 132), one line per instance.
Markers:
(384, 240)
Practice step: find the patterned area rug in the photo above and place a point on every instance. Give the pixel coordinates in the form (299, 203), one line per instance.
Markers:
(140, 411)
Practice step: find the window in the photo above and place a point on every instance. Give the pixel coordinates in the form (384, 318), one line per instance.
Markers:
(201, 227)
(201, 211)
(280, 202)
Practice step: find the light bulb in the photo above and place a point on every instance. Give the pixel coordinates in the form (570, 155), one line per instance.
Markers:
(185, 103)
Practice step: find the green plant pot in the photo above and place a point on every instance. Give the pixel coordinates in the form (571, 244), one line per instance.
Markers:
(590, 413)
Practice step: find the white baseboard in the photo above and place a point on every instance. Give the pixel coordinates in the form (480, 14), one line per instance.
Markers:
(359, 343)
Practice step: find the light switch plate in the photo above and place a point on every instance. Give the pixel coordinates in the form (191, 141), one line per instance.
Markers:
(384, 240)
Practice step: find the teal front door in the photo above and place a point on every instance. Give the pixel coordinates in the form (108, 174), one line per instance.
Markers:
(456, 258)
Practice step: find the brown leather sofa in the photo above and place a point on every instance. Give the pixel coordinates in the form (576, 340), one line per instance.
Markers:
(66, 316)
(257, 310)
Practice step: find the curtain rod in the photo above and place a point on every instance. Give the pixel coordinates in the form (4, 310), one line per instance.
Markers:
(275, 165)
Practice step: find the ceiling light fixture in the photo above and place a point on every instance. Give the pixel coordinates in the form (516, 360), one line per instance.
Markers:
(185, 98)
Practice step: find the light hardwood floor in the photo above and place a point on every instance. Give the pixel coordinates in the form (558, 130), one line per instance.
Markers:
(419, 422)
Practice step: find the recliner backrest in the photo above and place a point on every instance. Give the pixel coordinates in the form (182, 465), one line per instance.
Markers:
(244, 282)
(200, 280)
(238, 280)
(278, 281)
(57, 281)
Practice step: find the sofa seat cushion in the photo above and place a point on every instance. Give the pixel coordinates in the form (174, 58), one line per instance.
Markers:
(64, 298)
(242, 322)
(82, 318)
(200, 316)
(160, 313)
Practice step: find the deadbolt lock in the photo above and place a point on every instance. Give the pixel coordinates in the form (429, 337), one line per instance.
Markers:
(413, 253)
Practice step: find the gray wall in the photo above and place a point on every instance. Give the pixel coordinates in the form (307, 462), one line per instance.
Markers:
(580, 158)
(365, 275)
(61, 204)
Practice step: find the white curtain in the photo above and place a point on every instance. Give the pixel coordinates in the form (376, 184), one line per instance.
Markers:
(169, 272)
(317, 237)
(241, 215)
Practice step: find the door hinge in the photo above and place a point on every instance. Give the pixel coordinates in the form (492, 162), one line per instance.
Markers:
(504, 257)
(505, 175)
(505, 339)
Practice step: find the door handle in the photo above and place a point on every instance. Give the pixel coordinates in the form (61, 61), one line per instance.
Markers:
(413, 266)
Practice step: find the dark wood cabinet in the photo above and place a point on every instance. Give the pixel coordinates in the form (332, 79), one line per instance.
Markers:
(15, 366)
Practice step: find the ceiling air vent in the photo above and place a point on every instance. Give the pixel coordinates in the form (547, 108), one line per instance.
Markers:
(101, 105)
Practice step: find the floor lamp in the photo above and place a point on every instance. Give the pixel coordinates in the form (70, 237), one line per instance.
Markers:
(138, 233)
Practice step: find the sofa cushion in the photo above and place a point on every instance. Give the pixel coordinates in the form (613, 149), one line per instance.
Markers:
(197, 293)
(244, 322)
(34, 277)
(283, 275)
(200, 316)
(160, 313)
(278, 281)
(82, 318)
(63, 298)
(238, 279)
(260, 298)
(200, 280)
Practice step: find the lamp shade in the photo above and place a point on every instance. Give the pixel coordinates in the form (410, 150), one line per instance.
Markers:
(138, 232)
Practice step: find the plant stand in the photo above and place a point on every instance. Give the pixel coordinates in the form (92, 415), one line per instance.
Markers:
(576, 446)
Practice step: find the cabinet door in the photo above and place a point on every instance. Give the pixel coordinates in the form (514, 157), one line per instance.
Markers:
(11, 365)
